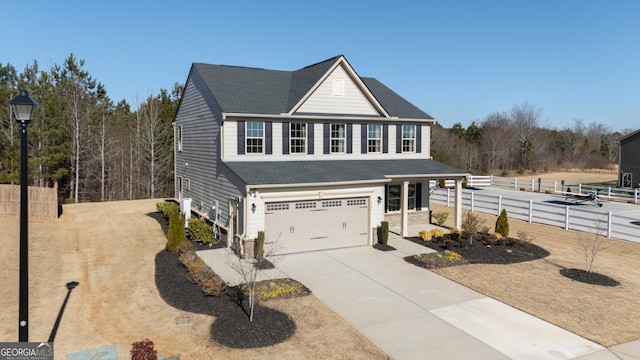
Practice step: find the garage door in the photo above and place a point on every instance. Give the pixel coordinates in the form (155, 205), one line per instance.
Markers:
(316, 225)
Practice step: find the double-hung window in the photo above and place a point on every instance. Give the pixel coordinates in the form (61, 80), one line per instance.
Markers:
(394, 197)
(374, 138)
(179, 137)
(408, 138)
(255, 137)
(338, 134)
(298, 138)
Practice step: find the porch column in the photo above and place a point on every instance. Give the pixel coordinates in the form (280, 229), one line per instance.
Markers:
(404, 205)
(457, 209)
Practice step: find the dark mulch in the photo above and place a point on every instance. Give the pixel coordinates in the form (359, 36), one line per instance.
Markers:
(383, 247)
(589, 278)
(510, 252)
(231, 327)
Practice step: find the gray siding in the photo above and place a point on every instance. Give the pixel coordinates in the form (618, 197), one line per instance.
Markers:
(630, 158)
(210, 180)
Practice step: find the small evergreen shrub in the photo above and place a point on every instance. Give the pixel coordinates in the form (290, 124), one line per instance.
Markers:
(440, 217)
(176, 233)
(201, 231)
(437, 233)
(259, 244)
(143, 350)
(425, 235)
(165, 208)
(384, 232)
(502, 223)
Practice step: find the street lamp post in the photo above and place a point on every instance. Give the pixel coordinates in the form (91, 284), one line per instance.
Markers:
(23, 106)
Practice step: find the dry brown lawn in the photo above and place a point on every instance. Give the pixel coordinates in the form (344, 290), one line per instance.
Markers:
(110, 249)
(606, 315)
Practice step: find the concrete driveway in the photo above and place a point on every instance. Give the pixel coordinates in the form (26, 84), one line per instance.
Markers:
(412, 313)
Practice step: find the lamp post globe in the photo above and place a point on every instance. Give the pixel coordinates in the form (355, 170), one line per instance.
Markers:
(23, 107)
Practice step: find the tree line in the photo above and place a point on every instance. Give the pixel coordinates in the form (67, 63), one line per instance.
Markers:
(94, 148)
(100, 150)
(516, 140)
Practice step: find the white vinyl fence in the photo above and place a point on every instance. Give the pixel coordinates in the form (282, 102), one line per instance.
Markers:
(553, 187)
(592, 221)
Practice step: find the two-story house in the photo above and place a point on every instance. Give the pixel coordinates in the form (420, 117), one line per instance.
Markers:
(629, 160)
(314, 157)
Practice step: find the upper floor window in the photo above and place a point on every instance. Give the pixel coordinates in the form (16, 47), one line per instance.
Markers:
(408, 138)
(338, 134)
(374, 138)
(255, 137)
(298, 138)
(179, 137)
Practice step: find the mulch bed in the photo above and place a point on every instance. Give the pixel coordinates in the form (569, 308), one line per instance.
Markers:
(479, 253)
(231, 327)
(383, 247)
(592, 278)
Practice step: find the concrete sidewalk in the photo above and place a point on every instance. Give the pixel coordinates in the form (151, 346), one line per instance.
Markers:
(412, 313)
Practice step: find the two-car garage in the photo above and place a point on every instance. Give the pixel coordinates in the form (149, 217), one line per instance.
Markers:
(309, 225)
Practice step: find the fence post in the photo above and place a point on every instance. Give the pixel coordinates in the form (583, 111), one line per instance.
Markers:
(635, 196)
(579, 188)
(539, 183)
(609, 193)
(491, 181)
(609, 221)
(533, 187)
(555, 187)
(515, 183)
(448, 197)
(530, 211)
(472, 193)
(499, 204)
(566, 218)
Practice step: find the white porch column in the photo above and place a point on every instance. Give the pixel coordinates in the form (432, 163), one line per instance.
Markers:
(404, 205)
(457, 212)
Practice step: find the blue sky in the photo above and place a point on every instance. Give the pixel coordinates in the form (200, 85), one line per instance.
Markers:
(457, 60)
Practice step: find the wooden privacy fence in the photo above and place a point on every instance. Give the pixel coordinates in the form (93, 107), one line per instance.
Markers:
(43, 202)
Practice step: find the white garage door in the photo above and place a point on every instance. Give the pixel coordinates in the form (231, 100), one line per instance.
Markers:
(316, 225)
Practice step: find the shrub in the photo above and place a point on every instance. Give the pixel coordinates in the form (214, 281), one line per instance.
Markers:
(498, 236)
(452, 256)
(259, 244)
(425, 235)
(449, 244)
(442, 183)
(437, 233)
(502, 223)
(201, 231)
(143, 350)
(165, 208)
(176, 233)
(279, 289)
(384, 232)
(471, 224)
(525, 236)
(455, 233)
(440, 217)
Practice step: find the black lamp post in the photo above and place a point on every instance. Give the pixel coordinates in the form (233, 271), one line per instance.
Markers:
(23, 107)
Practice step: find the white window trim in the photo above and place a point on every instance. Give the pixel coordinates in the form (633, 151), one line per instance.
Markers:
(247, 137)
(338, 87)
(372, 138)
(179, 136)
(414, 197)
(413, 139)
(343, 138)
(292, 138)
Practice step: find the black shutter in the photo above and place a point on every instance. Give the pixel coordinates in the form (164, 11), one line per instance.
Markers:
(398, 138)
(285, 138)
(268, 134)
(349, 138)
(364, 136)
(310, 139)
(385, 138)
(241, 141)
(418, 196)
(326, 138)
(418, 138)
(386, 198)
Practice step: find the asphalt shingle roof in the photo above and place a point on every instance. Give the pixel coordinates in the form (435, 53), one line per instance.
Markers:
(261, 91)
(336, 171)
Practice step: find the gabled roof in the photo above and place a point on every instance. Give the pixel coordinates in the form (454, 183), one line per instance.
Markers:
(629, 136)
(337, 171)
(262, 91)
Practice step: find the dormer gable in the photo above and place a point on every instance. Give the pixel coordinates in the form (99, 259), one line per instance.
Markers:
(339, 91)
